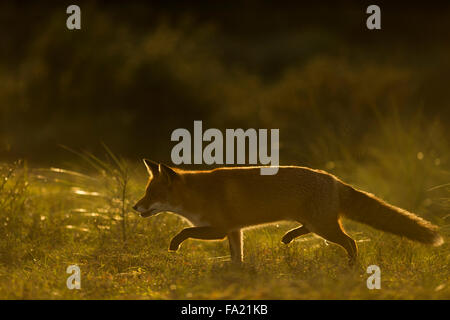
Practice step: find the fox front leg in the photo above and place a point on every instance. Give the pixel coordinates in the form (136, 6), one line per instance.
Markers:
(236, 246)
(294, 233)
(203, 233)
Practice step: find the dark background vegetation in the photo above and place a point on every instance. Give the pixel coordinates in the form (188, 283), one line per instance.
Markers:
(138, 70)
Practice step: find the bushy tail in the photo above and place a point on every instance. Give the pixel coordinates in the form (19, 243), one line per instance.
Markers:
(366, 208)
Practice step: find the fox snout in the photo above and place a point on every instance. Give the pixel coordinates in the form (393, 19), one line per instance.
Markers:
(144, 210)
(139, 207)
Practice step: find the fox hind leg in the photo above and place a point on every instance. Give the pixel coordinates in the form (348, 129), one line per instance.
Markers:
(337, 235)
(294, 233)
(236, 246)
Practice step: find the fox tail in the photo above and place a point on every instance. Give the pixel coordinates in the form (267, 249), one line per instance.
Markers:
(364, 207)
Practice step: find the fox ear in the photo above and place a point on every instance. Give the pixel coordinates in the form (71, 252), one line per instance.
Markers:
(167, 172)
(152, 167)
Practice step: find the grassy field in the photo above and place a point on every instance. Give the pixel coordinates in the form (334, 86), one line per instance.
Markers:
(52, 218)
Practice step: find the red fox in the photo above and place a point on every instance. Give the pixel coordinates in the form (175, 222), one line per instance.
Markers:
(222, 201)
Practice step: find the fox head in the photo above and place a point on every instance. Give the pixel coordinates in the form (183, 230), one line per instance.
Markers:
(157, 197)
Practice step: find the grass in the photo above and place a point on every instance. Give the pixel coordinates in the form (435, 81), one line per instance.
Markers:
(52, 218)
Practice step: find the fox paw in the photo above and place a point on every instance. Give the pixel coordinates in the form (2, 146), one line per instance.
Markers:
(286, 239)
(174, 246)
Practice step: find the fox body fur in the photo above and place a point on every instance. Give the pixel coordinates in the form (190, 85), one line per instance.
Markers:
(221, 202)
